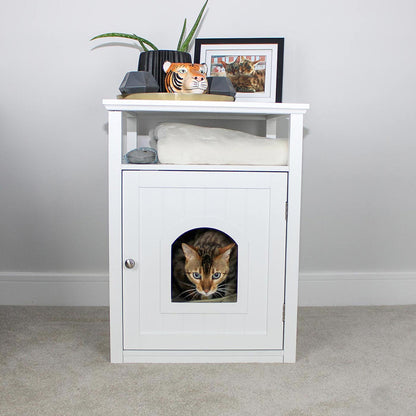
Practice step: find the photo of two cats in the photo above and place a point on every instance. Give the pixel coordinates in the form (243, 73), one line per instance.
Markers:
(246, 75)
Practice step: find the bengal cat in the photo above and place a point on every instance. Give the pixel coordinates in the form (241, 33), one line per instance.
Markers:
(244, 76)
(204, 266)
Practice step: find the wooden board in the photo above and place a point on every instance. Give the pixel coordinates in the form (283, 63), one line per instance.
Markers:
(175, 97)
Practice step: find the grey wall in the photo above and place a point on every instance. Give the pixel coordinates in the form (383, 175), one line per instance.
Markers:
(354, 61)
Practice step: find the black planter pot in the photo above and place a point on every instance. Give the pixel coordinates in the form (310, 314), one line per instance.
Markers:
(152, 61)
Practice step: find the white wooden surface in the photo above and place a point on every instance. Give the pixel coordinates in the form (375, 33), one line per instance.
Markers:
(203, 356)
(210, 108)
(115, 133)
(123, 115)
(293, 232)
(158, 207)
(210, 168)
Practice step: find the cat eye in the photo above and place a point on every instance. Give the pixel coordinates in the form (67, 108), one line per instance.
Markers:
(196, 275)
(216, 275)
(182, 71)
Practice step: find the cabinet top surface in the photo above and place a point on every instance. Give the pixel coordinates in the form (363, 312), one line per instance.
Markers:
(203, 107)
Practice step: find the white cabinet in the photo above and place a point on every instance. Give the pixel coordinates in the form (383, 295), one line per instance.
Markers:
(154, 207)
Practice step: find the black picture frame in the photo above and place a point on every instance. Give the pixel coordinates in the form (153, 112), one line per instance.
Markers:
(270, 54)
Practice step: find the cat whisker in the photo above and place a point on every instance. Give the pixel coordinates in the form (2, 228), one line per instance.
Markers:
(195, 295)
(189, 290)
(187, 293)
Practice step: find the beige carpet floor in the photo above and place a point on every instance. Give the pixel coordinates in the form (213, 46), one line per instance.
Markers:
(352, 361)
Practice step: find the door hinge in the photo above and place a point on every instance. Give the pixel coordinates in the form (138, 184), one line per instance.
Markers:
(286, 209)
(284, 312)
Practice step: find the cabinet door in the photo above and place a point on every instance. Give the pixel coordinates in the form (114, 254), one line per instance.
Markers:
(161, 206)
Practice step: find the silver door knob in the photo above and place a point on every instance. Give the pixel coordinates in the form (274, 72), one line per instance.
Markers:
(129, 263)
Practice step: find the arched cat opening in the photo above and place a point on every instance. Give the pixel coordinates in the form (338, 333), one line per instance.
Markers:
(204, 267)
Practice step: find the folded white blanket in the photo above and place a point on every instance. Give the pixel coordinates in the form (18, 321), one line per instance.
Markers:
(180, 143)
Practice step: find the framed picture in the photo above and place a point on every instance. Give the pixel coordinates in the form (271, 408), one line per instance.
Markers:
(254, 66)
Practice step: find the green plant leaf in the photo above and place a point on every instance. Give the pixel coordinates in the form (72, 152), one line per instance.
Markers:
(182, 35)
(142, 44)
(185, 45)
(142, 41)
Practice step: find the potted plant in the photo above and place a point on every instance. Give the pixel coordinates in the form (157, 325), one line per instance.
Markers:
(152, 58)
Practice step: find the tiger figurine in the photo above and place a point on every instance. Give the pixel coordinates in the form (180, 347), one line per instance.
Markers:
(185, 77)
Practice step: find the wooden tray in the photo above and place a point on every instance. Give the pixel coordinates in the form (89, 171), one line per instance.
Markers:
(175, 97)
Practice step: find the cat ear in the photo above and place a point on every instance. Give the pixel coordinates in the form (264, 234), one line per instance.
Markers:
(189, 251)
(166, 66)
(225, 252)
(224, 64)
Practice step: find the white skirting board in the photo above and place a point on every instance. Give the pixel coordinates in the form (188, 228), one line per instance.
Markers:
(53, 289)
(353, 289)
(315, 289)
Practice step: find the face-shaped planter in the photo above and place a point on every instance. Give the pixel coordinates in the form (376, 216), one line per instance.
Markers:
(185, 77)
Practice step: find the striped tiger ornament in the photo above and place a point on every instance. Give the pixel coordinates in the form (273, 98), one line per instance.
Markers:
(185, 77)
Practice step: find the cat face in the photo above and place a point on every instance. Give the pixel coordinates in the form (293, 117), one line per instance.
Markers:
(241, 66)
(207, 270)
(232, 68)
(247, 67)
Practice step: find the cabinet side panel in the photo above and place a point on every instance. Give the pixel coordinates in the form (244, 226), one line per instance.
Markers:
(293, 230)
(114, 228)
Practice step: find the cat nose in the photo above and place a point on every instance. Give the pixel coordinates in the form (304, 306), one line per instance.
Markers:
(199, 78)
